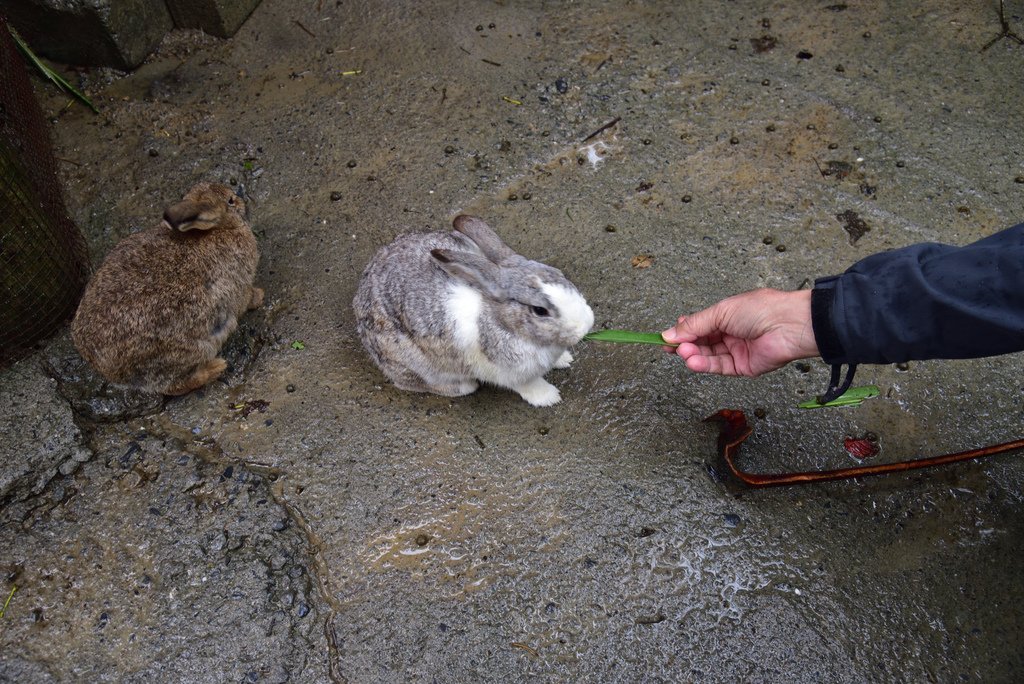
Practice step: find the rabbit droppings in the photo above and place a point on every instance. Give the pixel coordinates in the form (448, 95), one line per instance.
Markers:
(441, 312)
(158, 310)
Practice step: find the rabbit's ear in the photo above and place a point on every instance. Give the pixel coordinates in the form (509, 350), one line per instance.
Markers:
(187, 215)
(484, 236)
(477, 272)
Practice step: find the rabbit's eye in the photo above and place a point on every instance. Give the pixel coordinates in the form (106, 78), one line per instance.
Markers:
(231, 201)
(540, 311)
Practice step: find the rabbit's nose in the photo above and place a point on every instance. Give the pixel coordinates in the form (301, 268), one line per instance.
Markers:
(170, 220)
(178, 216)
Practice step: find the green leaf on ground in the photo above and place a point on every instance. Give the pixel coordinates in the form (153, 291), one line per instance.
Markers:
(854, 396)
(48, 72)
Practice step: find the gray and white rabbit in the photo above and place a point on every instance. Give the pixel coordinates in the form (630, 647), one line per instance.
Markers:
(159, 308)
(442, 312)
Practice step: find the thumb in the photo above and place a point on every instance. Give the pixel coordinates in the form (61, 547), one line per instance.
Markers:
(692, 327)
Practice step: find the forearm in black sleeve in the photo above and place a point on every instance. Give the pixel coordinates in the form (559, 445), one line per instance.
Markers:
(926, 301)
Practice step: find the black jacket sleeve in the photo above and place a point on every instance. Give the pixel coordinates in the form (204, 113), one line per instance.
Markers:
(926, 301)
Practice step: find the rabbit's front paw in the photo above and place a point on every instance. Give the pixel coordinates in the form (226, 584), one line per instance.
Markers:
(539, 392)
(256, 298)
(564, 360)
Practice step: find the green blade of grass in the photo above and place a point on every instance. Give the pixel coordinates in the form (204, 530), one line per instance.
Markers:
(48, 72)
(3, 611)
(627, 337)
(854, 396)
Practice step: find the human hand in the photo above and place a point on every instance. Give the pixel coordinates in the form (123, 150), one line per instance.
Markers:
(748, 334)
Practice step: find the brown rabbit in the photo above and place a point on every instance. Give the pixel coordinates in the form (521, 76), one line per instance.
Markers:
(158, 310)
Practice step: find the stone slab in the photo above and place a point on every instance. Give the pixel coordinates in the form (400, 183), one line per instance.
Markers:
(104, 33)
(221, 18)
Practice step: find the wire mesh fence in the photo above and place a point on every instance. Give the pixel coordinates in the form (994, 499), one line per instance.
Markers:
(43, 257)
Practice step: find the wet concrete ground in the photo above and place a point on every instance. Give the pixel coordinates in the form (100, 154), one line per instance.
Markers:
(301, 520)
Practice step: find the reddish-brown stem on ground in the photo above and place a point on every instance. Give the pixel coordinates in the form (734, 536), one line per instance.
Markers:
(735, 429)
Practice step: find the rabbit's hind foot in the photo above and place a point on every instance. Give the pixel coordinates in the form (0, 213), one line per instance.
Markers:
(202, 375)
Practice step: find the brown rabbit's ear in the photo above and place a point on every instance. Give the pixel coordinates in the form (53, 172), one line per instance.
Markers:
(477, 272)
(484, 236)
(186, 215)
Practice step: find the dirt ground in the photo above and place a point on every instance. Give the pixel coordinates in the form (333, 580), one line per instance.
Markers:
(301, 520)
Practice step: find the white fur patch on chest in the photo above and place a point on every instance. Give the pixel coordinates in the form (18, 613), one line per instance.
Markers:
(464, 307)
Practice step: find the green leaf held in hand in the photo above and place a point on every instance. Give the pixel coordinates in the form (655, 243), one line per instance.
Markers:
(852, 397)
(627, 337)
